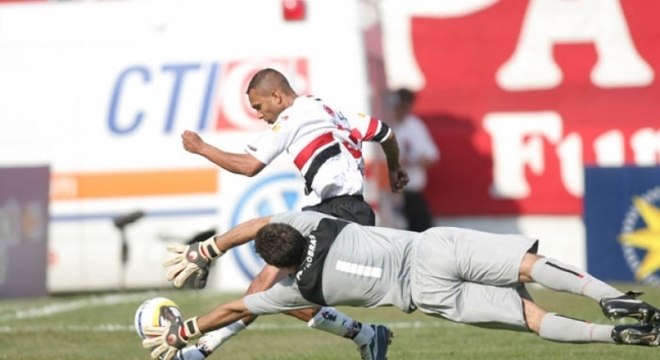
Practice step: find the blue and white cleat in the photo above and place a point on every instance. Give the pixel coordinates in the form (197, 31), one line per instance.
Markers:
(376, 348)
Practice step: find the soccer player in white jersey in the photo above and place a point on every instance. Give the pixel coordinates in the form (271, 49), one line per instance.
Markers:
(462, 275)
(326, 147)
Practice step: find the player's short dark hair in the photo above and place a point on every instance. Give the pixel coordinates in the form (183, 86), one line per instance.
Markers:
(280, 245)
(269, 79)
(405, 96)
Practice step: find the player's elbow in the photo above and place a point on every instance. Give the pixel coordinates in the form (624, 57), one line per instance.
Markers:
(252, 168)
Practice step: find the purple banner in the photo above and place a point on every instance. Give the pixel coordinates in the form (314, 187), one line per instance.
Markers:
(23, 231)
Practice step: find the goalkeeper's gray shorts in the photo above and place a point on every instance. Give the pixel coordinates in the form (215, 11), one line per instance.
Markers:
(470, 276)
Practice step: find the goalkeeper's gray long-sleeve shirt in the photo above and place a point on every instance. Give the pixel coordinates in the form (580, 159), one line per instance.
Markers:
(347, 264)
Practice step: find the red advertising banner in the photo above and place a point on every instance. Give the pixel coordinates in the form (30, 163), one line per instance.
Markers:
(520, 95)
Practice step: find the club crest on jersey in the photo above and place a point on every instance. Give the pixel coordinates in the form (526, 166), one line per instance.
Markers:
(640, 236)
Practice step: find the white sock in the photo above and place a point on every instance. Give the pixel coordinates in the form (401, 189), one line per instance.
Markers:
(364, 336)
(559, 276)
(335, 322)
(212, 340)
(190, 353)
(559, 328)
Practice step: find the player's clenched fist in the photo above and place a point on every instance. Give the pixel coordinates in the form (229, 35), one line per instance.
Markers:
(398, 179)
(191, 259)
(192, 142)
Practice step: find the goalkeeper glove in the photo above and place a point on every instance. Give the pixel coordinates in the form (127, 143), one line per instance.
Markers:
(165, 341)
(191, 259)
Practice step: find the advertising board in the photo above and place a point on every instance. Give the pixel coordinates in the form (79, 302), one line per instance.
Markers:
(101, 91)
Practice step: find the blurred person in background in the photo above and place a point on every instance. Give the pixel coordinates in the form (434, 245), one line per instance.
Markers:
(418, 152)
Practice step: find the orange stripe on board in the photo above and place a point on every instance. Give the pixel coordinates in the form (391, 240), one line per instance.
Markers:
(97, 185)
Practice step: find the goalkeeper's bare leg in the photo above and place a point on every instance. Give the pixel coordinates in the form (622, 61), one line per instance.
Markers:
(327, 319)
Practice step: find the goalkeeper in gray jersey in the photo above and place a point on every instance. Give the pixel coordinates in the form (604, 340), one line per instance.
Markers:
(458, 274)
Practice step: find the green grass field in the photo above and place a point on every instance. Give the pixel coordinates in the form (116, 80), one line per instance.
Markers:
(101, 327)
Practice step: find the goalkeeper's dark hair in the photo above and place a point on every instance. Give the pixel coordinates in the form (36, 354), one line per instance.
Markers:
(280, 245)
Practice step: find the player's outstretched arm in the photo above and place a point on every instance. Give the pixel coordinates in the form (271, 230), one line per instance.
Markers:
(165, 341)
(244, 164)
(195, 258)
(223, 315)
(240, 234)
(191, 259)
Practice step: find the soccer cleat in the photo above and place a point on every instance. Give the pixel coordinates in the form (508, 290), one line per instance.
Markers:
(376, 348)
(637, 334)
(627, 305)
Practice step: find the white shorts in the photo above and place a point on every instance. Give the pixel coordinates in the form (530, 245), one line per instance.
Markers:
(470, 276)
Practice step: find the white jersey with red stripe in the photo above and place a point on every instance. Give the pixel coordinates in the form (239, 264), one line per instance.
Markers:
(325, 145)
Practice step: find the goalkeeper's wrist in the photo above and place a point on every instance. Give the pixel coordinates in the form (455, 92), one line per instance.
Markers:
(209, 249)
(189, 329)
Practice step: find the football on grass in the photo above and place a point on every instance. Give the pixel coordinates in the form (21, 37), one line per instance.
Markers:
(158, 311)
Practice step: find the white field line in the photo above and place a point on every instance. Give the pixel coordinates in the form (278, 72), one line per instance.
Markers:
(264, 326)
(113, 299)
(68, 306)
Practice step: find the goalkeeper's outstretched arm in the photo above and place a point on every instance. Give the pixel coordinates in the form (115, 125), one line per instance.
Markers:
(195, 258)
(222, 315)
(165, 341)
(240, 234)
